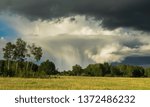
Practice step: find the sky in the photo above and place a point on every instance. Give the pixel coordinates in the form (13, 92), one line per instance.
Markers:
(80, 31)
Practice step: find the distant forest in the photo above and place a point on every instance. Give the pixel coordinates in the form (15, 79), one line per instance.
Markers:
(20, 60)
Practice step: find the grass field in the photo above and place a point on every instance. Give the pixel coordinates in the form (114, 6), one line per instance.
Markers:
(75, 83)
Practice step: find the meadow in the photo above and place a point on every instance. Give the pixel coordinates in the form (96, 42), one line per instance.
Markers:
(75, 83)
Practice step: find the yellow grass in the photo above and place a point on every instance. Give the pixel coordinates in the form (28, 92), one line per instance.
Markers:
(75, 83)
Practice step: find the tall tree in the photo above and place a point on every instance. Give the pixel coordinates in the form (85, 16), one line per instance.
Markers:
(9, 53)
(20, 51)
(36, 52)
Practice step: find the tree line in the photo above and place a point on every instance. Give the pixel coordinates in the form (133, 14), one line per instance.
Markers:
(20, 60)
(108, 70)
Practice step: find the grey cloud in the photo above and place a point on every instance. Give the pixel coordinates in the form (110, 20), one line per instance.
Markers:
(137, 60)
(115, 13)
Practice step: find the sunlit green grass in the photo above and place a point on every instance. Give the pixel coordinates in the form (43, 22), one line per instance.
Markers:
(75, 83)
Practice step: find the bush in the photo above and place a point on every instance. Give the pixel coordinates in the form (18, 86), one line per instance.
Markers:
(138, 72)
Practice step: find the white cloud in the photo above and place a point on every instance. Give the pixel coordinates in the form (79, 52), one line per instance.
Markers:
(2, 38)
(80, 40)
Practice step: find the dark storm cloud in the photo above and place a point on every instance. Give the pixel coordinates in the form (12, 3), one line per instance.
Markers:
(115, 13)
(137, 60)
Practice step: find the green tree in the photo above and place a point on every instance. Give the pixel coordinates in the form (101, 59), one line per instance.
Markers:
(20, 52)
(106, 69)
(36, 52)
(147, 72)
(8, 53)
(115, 71)
(77, 70)
(138, 71)
(94, 70)
(48, 67)
(15, 56)
(128, 70)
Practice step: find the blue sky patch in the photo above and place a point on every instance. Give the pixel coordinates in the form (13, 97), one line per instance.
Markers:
(6, 31)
